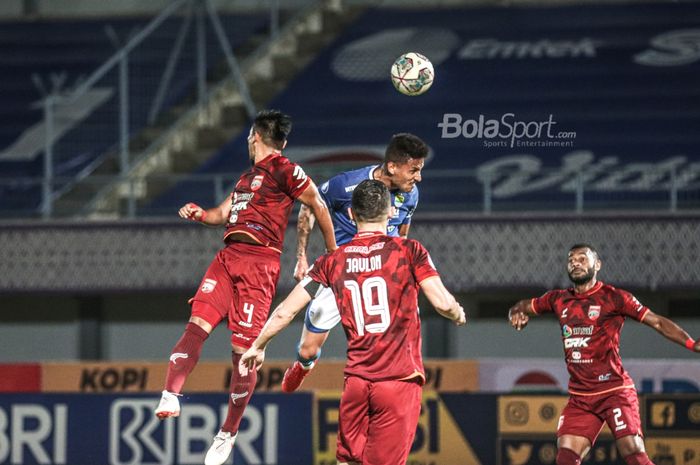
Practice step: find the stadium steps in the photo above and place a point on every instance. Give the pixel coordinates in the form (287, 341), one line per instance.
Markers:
(224, 116)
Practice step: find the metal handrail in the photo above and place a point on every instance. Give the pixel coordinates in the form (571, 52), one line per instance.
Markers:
(483, 190)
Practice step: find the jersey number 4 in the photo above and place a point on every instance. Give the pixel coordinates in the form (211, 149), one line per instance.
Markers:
(370, 299)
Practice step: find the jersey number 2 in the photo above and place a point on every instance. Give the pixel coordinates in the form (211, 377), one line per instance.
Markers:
(371, 299)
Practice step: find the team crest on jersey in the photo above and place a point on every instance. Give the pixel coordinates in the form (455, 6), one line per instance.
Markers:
(257, 182)
(594, 312)
(208, 285)
(399, 199)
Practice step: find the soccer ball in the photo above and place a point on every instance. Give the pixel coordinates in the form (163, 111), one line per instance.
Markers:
(412, 74)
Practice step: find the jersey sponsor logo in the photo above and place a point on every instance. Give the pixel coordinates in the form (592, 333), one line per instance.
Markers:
(605, 377)
(299, 174)
(594, 312)
(430, 261)
(637, 303)
(363, 249)
(176, 355)
(576, 355)
(241, 336)
(350, 188)
(576, 342)
(257, 182)
(235, 396)
(577, 330)
(208, 285)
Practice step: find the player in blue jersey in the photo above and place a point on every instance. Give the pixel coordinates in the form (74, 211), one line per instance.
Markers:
(400, 172)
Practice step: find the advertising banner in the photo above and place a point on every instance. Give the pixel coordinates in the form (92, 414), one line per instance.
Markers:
(71, 429)
(441, 375)
(550, 375)
(454, 429)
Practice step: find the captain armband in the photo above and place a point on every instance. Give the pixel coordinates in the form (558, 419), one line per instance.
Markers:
(311, 286)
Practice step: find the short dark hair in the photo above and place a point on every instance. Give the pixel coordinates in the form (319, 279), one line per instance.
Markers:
(403, 147)
(370, 201)
(584, 245)
(273, 126)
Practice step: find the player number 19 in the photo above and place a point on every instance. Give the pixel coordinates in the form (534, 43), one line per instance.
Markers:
(363, 302)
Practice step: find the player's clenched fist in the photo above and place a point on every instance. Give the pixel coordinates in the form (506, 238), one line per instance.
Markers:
(192, 211)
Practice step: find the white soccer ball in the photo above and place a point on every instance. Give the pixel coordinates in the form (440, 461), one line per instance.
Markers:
(412, 74)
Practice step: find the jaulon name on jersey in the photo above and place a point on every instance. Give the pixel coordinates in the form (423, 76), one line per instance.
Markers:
(363, 264)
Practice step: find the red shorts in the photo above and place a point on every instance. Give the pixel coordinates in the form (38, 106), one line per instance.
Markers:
(239, 285)
(584, 415)
(377, 421)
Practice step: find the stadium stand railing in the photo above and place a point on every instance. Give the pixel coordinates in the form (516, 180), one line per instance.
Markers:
(109, 88)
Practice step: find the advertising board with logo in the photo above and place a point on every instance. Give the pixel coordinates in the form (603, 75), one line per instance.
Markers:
(111, 429)
(105, 377)
(453, 429)
(550, 375)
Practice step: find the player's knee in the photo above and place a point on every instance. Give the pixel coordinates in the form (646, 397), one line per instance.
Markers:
(567, 457)
(309, 351)
(639, 458)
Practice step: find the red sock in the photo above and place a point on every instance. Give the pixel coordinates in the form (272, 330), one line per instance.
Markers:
(640, 458)
(241, 390)
(184, 357)
(567, 457)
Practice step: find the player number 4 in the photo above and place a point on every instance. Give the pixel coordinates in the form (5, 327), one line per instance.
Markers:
(363, 302)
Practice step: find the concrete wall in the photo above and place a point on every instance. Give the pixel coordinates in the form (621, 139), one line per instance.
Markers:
(153, 340)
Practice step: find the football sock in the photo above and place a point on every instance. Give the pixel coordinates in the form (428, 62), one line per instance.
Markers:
(184, 357)
(567, 457)
(240, 392)
(308, 362)
(640, 458)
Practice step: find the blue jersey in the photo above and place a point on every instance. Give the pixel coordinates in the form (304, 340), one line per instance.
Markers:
(337, 193)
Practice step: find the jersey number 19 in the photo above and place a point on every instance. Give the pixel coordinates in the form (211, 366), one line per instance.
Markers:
(363, 302)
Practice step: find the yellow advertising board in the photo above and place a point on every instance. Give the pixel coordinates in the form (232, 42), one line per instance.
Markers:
(531, 415)
(442, 375)
(685, 451)
(438, 438)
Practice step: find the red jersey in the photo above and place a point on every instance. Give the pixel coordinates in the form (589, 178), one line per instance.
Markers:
(590, 324)
(375, 280)
(263, 198)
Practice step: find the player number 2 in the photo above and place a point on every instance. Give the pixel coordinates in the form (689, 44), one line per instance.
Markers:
(363, 301)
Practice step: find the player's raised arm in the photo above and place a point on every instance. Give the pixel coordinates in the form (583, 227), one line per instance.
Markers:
(305, 224)
(670, 330)
(216, 216)
(280, 319)
(444, 302)
(312, 199)
(519, 314)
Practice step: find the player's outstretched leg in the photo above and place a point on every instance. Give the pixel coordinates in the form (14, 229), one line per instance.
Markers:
(169, 406)
(240, 391)
(183, 359)
(295, 374)
(308, 352)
